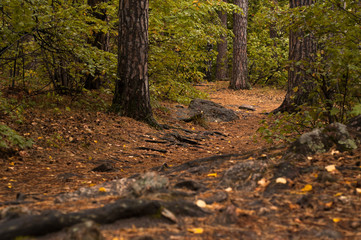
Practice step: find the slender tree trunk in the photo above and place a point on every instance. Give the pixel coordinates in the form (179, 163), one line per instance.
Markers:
(132, 88)
(221, 64)
(240, 71)
(302, 49)
(99, 40)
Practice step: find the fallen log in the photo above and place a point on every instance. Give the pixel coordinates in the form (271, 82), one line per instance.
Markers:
(36, 225)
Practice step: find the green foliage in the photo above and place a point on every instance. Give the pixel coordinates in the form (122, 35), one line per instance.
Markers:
(51, 43)
(9, 138)
(336, 70)
(286, 127)
(180, 32)
(267, 45)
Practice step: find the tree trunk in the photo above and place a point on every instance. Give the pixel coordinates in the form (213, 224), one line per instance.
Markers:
(240, 71)
(221, 65)
(99, 40)
(131, 97)
(302, 50)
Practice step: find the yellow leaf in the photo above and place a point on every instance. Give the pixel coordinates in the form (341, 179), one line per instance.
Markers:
(295, 89)
(12, 163)
(336, 220)
(212, 175)
(307, 188)
(102, 189)
(92, 185)
(338, 194)
(95, 141)
(195, 230)
(90, 158)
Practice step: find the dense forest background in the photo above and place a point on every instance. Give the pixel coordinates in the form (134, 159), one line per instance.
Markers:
(69, 48)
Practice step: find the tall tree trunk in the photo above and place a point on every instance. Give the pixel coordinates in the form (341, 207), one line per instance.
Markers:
(240, 70)
(302, 50)
(132, 87)
(221, 64)
(99, 40)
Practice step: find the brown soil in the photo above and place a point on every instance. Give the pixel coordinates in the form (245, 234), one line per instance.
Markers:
(69, 144)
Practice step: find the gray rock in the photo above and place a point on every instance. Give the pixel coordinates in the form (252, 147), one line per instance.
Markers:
(212, 111)
(149, 182)
(244, 175)
(321, 140)
(88, 230)
(247, 107)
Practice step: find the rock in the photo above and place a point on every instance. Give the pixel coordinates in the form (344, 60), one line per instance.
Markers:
(324, 177)
(217, 197)
(104, 167)
(88, 230)
(227, 215)
(244, 175)
(13, 212)
(321, 140)
(286, 170)
(247, 107)
(329, 234)
(212, 111)
(191, 185)
(340, 136)
(149, 182)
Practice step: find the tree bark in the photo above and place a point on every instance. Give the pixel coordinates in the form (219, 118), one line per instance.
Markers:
(131, 97)
(221, 64)
(302, 50)
(240, 70)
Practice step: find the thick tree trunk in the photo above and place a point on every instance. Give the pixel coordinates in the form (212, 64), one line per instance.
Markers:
(240, 70)
(132, 88)
(99, 40)
(302, 50)
(221, 65)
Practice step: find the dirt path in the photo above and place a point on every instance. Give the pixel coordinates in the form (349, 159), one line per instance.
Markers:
(232, 174)
(69, 144)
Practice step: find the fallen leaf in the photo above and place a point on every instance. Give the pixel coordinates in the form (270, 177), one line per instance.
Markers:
(195, 230)
(336, 220)
(263, 182)
(102, 189)
(358, 190)
(201, 203)
(229, 189)
(330, 168)
(307, 188)
(281, 180)
(212, 175)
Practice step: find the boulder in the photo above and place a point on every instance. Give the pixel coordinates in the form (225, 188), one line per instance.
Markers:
(212, 111)
(244, 175)
(321, 140)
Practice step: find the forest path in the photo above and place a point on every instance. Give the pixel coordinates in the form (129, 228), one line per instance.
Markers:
(251, 191)
(69, 144)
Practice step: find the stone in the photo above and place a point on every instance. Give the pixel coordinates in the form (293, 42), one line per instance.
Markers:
(244, 175)
(212, 111)
(247, 107)
(321, 140)
(88, 230)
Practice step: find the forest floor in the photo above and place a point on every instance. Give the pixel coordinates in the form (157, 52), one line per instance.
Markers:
(70, 141)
